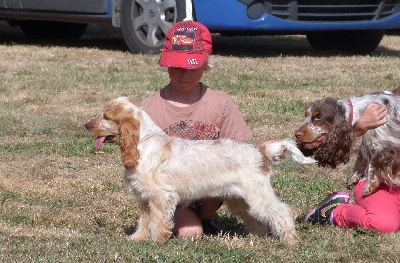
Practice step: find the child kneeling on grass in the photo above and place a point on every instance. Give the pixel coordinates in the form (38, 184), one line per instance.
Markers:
(379, 211)
(188, 108)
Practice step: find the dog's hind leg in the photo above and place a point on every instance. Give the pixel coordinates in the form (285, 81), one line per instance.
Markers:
(162, 204)
(267, 208)
(142, 230)
(240, 209)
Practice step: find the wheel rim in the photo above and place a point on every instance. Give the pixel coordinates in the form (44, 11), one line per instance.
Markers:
(151, 20)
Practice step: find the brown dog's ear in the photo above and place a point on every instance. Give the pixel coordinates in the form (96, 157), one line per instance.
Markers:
(337, 147)
(129, 129)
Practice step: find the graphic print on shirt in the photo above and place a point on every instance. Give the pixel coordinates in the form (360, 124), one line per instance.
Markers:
(193, 130)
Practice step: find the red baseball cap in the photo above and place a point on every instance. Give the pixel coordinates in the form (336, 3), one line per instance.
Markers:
(186, 45)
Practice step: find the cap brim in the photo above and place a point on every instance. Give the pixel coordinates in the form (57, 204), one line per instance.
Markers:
(182, 60)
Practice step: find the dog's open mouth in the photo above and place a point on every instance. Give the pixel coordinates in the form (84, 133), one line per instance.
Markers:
(100, 140)
(314, 144)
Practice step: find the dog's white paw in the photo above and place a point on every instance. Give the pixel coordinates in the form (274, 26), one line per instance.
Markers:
(139, 236)
(290, 237)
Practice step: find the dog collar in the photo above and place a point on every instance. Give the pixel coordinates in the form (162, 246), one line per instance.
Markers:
(351, 112)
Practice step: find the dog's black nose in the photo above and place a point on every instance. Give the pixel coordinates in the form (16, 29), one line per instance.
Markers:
(87, 126)
(298, 134)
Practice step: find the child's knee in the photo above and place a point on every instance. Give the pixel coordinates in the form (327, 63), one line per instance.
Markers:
(186, 223)
(188, 231)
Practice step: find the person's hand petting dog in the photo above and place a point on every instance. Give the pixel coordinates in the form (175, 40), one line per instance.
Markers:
(373, 116)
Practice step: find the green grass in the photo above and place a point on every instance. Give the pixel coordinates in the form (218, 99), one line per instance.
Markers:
(63, 201)
(77, 147)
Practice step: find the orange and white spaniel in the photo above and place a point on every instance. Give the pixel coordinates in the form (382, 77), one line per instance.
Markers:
(162, 171)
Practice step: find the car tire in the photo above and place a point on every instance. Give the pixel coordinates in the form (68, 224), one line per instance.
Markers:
(350, 41)
(52, 30)
(144, 24)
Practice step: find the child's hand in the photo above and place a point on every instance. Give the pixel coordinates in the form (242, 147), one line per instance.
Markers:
(373, 116)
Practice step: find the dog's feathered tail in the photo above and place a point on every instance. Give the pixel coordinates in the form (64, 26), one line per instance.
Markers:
(276, 150)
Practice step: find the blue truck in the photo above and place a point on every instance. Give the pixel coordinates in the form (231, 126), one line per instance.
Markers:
(356, 26)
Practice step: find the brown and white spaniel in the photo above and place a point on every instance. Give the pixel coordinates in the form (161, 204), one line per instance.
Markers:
(327, 134)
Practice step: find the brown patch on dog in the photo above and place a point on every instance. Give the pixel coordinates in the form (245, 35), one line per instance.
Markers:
(134, 101)
(218, 141)
(265, 165)
(166, 150)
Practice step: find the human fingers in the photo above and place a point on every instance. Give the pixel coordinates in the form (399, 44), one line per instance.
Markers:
(381, 112)
(378, 111)
(381, 108)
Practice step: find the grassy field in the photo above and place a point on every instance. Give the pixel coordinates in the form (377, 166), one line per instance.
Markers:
(63, 201)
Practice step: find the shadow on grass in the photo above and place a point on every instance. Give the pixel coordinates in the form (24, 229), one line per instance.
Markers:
(227, 224)
(101, 37)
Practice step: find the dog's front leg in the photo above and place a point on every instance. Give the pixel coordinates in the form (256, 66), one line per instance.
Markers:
(359, 171)
(143, 229)
(162, 203)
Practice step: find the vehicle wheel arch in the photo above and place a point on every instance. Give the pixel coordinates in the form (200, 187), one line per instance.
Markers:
(147, 34)
(116, 13)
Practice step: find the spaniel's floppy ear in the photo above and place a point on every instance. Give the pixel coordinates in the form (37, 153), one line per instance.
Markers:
(337, 147)
(129, 129)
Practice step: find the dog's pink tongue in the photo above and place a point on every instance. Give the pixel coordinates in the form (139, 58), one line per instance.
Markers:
(99, 142)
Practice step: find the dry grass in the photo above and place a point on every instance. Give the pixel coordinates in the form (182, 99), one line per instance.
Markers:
(62, 201)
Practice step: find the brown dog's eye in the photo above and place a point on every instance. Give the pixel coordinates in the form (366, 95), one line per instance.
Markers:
(316, 115)
(105, 116)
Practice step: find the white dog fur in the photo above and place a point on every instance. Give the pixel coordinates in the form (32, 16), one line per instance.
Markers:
(162, 171)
